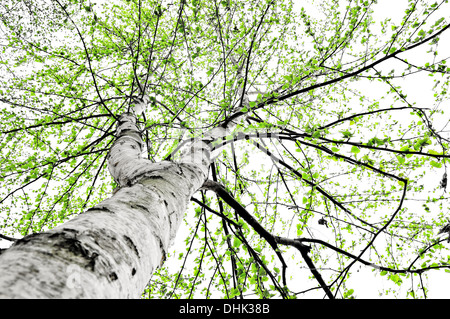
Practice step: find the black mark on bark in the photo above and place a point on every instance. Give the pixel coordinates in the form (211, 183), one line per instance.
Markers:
(70, 230)
(28, 238)
(101, 209)
(91, 263)
(139, 207)
(67, 240)
(113, 276)
(155, 177)
(131, 244)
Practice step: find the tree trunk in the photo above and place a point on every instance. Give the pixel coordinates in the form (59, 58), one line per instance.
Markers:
(111, 250)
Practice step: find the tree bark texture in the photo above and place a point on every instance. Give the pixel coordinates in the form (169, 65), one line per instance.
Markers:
(111, 250)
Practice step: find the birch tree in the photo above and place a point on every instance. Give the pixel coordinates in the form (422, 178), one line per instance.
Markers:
(202, 149)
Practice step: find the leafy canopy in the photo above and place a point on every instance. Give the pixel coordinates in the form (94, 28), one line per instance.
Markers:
(352, 99)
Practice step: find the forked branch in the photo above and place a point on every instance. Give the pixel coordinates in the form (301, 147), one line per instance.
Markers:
(271, 239)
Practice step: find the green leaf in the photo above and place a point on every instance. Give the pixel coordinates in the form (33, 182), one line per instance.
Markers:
(348, 293)
(396, 279)
(433, 152)
(404, 148)
(355, 150)
(436, 164)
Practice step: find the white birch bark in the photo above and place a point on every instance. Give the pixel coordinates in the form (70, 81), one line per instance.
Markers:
(111, 250)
